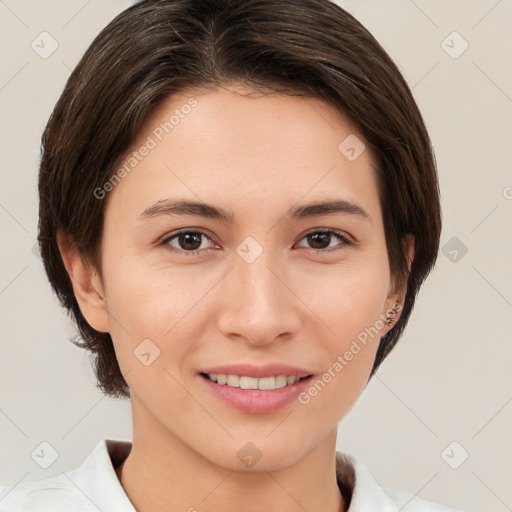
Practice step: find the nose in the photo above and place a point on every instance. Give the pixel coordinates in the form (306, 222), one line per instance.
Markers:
(258, 305)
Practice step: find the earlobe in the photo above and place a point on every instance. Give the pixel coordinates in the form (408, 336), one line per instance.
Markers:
(396, 298)
(86, 283)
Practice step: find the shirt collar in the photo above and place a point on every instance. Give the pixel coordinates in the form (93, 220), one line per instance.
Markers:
(97, 478)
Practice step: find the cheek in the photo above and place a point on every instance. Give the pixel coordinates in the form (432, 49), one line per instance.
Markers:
(333, 393)
(348, 297)
(349, 301)
(151, 297)
(350, 306)
(150, 304)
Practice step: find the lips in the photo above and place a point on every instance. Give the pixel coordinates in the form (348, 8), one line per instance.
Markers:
(255, 401)
(267, 396)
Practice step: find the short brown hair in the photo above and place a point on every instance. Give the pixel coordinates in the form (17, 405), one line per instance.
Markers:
(299, 47)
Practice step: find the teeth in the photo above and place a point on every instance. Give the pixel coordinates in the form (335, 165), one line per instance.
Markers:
(247, 382)
(244, 382)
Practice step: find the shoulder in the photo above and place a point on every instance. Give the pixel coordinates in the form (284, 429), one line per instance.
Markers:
(355, 479)
(53, 494)
(91, 487)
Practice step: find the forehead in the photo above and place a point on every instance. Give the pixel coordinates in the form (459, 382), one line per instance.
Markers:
(237, 111)
(237, 144)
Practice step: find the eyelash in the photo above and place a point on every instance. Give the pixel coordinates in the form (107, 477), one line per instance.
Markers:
(344, 239)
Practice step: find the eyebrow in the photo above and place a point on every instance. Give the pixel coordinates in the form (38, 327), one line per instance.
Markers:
(196, 208)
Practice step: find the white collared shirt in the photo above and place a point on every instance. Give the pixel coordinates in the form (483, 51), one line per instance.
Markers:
(94, 486)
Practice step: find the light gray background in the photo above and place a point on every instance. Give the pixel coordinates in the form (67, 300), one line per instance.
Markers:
(449, 379)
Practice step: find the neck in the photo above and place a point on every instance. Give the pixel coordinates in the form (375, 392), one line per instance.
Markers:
(162, 474)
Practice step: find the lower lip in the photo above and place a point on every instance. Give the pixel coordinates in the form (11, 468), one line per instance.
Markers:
(256, 401)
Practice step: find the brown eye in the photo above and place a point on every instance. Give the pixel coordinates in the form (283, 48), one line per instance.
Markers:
(188, 242)
(321, 240)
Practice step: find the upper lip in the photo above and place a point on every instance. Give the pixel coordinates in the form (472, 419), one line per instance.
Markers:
(268, 370)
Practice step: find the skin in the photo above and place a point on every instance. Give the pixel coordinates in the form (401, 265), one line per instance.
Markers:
(257, 156)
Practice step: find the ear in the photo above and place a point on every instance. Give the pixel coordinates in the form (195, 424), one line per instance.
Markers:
(86, 283)
(396, 297)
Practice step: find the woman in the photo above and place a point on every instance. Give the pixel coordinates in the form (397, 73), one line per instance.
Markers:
(238, 205)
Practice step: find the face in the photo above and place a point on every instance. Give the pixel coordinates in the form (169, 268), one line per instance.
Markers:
(183, 293)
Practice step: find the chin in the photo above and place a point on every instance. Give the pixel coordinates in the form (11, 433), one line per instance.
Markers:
(255, 457)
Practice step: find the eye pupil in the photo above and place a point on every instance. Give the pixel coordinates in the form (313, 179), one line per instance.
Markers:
(315, 238)
(187, 238)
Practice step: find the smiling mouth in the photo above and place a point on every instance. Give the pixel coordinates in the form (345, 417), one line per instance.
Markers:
(245, 382)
